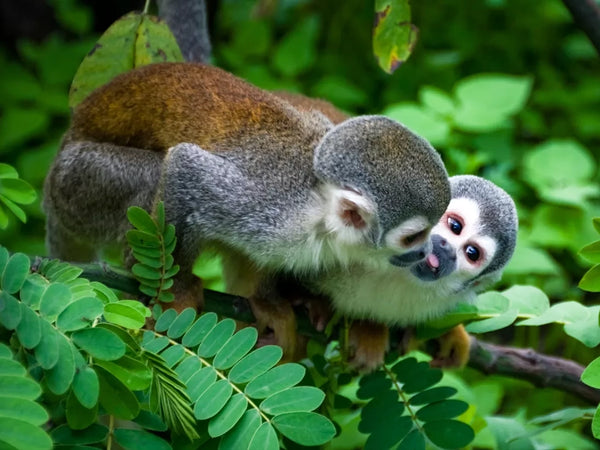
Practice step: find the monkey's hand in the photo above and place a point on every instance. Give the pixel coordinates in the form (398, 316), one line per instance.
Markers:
(453, 348)
(368, 342)
(276, 324)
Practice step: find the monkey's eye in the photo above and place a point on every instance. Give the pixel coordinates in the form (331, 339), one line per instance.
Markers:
(454, 225)
(472, 253)
(412, 238)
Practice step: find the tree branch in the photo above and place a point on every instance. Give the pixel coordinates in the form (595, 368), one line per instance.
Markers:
(526, 364)
(586, 15)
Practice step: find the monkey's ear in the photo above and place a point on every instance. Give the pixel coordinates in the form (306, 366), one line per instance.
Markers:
(350, 215)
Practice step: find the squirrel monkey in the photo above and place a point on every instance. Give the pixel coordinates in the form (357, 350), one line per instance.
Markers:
(472, 243)
(269, 186)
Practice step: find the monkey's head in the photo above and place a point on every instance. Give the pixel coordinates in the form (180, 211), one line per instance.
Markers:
(386, 186)
(476, 236)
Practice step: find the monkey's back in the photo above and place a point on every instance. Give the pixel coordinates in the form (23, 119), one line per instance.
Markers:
(158, 106)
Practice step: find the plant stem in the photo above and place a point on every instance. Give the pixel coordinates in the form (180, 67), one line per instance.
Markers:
(146, 7)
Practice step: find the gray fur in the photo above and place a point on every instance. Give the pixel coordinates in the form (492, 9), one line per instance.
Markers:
(384, 160)
(498, 215)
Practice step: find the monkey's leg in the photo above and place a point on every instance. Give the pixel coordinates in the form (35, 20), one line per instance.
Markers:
(454, 347)
(275, 318)
(368, 343)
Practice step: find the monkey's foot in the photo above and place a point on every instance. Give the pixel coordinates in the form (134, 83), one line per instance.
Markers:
(454, 347)
(368, 343)
(318, 310)
(276, 324)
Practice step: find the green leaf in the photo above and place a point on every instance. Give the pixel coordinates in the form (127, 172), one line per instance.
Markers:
(449, 433)
(389, 432)
(235, 348)
(413, 441)
(165, 320)
(188, 367)
(132, 373)
(86, 387)
(22, 435)
(25, 410)
(10, 311)
(103, 292)
(124, 315)
(54, 300)
(596, 424)
(91, 435)
(136, 439)
(436, 100)
(9, 366)
(394, 37)
(17, 190)
(504, 94)
(15, 386)
(255, 364)
(418, 379)
(213, 400)
(493, 323)
(199, 330)
(115, 397)
(181, 323)
(145, 272)
(275, 380)
(47, 350)
(564, 162)
(140, 219)
(216, 338)
(422, 121)
(445, 409)
(173, 354)
(229, 416)
(591, 252)
(5, 352)
(126, 44)
(78, 416)
(140, 240)
(432, 395)
(265, 438)
(591, 374)
(299, 398)
(150, 421)
(60, 376)
(79, 314)
(381, 413)
(156, 345)
(200, 382)
(16, 210)
(29, 329)
(305, 428)
(528, 300)
(376, 382)
(241, 435)
(591, 280)
(101, 343)
(8, 171)
(15, 273)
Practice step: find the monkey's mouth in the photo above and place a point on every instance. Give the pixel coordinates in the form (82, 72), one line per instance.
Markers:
(433, 262)
(430, 269)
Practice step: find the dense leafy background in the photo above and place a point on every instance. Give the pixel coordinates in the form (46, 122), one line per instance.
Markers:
(539, 141)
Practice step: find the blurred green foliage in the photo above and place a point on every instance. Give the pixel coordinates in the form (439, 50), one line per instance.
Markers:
(507, 89)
